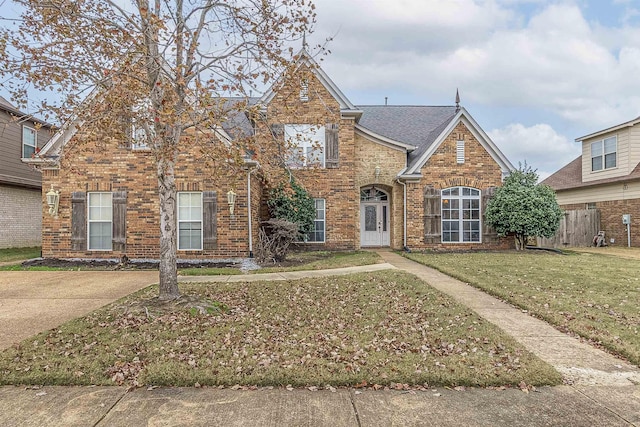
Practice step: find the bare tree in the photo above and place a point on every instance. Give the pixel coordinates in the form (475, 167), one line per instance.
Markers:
(166, 66)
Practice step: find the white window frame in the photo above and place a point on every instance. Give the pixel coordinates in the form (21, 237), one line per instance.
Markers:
(180, 219)
(24, 142)
(599, 151)
(139, 137)
(321, 218)
(447, 199)
(304, 90)
(310, 140)
(91, 221)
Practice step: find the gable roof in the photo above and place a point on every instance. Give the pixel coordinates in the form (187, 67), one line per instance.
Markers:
(411, 125)
(611, 129)
(570, 177)
(11, 109)
(436, 137)
(304, 58)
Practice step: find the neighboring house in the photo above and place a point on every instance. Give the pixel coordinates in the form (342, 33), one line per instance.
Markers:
(605, 177)
(20, 185)
(414, 177)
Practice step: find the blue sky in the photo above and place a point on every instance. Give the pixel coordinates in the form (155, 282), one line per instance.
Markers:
(535, 74)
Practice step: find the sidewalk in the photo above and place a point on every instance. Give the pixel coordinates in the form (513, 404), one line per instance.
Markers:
(604, 391)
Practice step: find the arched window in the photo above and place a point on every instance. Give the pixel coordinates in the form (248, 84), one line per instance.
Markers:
(372, 194)
(460, 215)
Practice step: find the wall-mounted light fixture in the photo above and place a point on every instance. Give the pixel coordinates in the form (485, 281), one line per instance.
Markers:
(231, 200)
(53, 199)
(377, 172)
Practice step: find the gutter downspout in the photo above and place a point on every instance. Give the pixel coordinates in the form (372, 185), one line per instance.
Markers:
(249, 216)
(404, 215)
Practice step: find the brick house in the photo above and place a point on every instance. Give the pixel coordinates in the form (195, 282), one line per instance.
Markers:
(606, 176)
(21, 135)
(381, 176)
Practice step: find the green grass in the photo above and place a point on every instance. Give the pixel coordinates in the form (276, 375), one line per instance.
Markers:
(594, 296)
(19, 254)
(382, 328)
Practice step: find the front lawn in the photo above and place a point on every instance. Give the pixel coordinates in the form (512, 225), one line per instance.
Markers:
(19, 254)
(594, 296)
(382, 328)
(298, 261)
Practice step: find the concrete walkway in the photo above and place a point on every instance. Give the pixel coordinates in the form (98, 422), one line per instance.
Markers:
(604, 391)
(35, 301)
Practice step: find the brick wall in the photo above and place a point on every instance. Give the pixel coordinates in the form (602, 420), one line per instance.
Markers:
(479, 171)
(611, 219)
(114, 168)
(21, 211)
(336, 185)
(391, 161)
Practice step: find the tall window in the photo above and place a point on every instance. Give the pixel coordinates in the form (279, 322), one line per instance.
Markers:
(305, 144)
(318, 233)
(189, 221)
(603, 154)
(100, 221)
(29, 142)
(460, 215)
(142, 129)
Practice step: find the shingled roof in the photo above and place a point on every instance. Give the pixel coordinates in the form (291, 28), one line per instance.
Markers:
(417, 125)
(570, 177)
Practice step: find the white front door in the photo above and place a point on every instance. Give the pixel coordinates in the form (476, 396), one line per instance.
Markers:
(374, 224)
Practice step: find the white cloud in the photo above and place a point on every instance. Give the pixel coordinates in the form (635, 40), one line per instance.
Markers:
(540, 146)
(556, 62)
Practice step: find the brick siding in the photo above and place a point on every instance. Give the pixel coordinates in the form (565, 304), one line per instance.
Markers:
(21, 211)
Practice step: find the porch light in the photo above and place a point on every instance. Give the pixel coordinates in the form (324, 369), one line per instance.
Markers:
(231, 200)
(376, 172)
(53, 199)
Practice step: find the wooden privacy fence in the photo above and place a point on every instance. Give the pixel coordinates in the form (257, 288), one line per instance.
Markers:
(577, 228)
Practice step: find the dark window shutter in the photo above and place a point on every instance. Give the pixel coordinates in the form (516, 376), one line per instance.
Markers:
(331, 145)
(209, 226)
(119, 200)
(489, 234)
(277, 130)
(79, 221)
(432, 215)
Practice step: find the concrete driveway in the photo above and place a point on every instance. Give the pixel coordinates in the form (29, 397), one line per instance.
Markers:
(34, 301)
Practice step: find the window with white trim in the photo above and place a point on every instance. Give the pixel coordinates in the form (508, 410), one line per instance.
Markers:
(318, 233)
(604, 153)
(142, 129)
(189, 221)
(460, 152)
(305, 144)
(460, 215)
(29, 142)
(100, 221)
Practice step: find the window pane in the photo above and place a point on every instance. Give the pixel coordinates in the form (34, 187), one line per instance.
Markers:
(610, 145)
(100, 235)
(596, 163)
(455, 191)
(596, 149)
(370, 218)
(27, 151)
(609, 160)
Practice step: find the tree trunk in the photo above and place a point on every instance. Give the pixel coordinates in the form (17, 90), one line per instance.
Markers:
(168, 235)
(521, 241)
